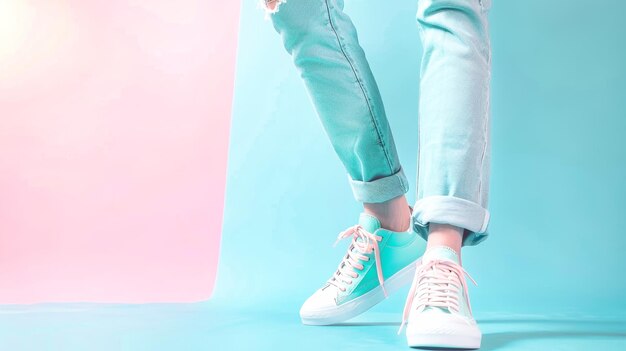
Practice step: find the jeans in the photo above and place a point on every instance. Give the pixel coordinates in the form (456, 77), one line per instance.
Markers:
(453, 118)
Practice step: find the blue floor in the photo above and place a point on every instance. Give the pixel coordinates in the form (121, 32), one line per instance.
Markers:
(206, 326)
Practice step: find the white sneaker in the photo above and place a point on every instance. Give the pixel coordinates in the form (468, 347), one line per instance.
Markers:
(437, 310)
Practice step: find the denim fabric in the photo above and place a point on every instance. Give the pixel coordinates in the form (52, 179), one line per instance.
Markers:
(454, 115)
(325, 49)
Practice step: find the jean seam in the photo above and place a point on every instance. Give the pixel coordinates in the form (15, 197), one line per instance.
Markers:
(402, 185)
(485, 5)
(419, 131)
(400, 180)
(486, 118)
(363, 90)
(482, 158)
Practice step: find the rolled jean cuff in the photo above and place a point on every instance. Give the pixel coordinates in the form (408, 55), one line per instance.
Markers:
(454, 211)
(381, 189)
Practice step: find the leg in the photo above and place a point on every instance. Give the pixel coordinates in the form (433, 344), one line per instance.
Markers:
(453, 160)
(324, 45)
(445, 235)
(383, 254)
(454, 142)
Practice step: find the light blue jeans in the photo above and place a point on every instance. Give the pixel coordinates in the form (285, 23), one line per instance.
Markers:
(454, 115)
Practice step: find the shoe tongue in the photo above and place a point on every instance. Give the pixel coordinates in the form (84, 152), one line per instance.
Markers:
(441, 253)
(369, 222)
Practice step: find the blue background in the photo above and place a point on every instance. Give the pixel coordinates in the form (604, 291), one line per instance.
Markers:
(558, 192)
(554, 260)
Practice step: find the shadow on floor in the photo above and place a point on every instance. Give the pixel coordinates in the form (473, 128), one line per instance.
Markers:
(497, 341)
(538, 328)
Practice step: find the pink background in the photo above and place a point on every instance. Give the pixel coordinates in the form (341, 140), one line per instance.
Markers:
(114, 120)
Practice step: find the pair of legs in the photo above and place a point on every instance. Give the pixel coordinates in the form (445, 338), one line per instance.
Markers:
(453, 164)
(454, 123)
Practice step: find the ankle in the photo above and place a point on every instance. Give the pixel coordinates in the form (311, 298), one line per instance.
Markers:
(393, 214)
(445, 235)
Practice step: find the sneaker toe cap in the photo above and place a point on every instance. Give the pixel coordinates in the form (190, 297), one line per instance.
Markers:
(435, 321)
(322, 300)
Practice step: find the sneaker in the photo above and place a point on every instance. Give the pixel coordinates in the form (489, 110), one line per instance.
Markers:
(378, 262)
(438, 308)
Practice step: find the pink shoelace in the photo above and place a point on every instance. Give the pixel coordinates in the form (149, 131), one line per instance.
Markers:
(437, 284)
(368, 242)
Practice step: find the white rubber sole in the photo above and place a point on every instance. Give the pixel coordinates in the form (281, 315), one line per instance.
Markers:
(355, 307)
(444, 341)
(439, 331)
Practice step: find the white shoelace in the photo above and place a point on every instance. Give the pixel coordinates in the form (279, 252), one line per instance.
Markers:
(437, 284)
(349, 266)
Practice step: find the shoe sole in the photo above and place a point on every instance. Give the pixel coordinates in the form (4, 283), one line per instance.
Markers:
(443, 341)
(362, 303)
(443, 332)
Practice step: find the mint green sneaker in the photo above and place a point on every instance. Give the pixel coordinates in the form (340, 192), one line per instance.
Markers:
(378, 262)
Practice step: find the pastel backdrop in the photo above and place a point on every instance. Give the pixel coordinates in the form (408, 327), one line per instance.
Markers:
(114, 121)
(114, 126)
(114, 133)
(558, 168)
